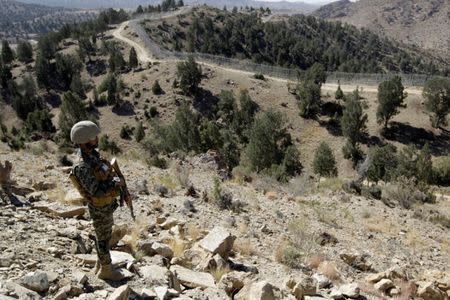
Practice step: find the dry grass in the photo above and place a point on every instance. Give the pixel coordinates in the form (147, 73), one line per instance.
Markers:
(415, 240)
(138, 230)
(279, 251)
(194, 232)
(368, 289)
(330, 270)
(244, 247)
(315, 261)
(58, 194)
(330, 184)
(219, 272)
(181, 174)
(380, 226)
(242, 228)
(178, 246)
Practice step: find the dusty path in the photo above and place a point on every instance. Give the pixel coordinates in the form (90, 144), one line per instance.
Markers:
(144, 55)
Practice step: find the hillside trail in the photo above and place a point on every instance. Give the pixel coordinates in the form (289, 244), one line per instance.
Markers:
(145, 56)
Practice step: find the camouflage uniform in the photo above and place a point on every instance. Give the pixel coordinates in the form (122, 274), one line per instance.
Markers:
(94, 176)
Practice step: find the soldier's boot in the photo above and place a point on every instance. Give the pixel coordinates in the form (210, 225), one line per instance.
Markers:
(107, 272)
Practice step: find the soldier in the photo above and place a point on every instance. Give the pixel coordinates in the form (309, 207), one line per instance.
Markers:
(95, 180)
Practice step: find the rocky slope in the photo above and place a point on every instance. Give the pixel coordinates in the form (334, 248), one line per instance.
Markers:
(275, 244)
(417, 22)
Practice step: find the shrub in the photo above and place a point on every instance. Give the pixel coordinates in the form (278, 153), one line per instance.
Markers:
(189, 75)
(382, 163)
(339, 95)
(413, 163)
(156, 88)
(153, 111)
(441, 170)
(139, 132)
(40, 121)
(106, 145)
(126, 132)
(407, 192)
(324, 163)
(223, 200)
(259, 76)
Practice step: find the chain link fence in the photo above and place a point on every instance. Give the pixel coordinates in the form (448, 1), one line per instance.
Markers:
(268, 70)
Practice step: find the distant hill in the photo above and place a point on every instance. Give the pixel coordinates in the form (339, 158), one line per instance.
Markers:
(20, 20)
(297, 42)
(282, 5)
(425, 23)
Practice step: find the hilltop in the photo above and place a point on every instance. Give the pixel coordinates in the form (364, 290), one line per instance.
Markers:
(20, 20)
(415, 22)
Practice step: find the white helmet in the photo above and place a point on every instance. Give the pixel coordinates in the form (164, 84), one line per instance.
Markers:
(83, 132)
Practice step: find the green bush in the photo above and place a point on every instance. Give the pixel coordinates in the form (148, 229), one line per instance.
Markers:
(259, 76)
(324, 163)
(126, 132)
(382, 163)
(71, 111)
(139, 132)
(189, 75)
(339, 95)
(106, 145)
(441, 170)
(156, 88)
(40, 121)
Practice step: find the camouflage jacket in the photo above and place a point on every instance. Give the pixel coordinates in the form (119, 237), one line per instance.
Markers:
(94, 175)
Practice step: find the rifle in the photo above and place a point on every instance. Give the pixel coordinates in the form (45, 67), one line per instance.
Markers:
(124, 193)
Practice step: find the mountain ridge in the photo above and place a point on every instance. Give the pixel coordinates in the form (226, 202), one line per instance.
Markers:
(415, 22)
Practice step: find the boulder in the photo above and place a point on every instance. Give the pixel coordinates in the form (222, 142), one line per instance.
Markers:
(356, 260)
(191, 278)
(36, 281)
(80, 277)
(156, 275)
(162, 249)
(22, 292)
(322, 280)
(350, 290)
(163, 293)
(383, 285)
(121, 293)
(259, 291)
(218, 241)
(430, 291)
(232, 282)
(6, 259)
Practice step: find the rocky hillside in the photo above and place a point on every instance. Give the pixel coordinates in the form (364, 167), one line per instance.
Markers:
(18, 20)
(273, 244)
(418, 22)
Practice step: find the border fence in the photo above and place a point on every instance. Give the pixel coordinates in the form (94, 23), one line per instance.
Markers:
(268, 70)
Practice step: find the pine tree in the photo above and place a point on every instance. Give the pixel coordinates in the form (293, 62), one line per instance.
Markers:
(139, 132)
(190, 76)
(133, 59)
(7, 54)
(353, 125)
(112, 91)
(437, 100)
(390, 97)
(324, 163)
(156, 88)
(42, 68)
(72, 111)
(339, 93)
(77, 86)
(24, 51)
(308, 96)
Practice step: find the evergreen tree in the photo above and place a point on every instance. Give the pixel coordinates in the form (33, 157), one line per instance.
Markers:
(133, 59)
(42, 68)
(112, 91)
(7, 54)
(353, 125)
(72, 111)
(324, 163)
(308, 96)
(156, 88)
(382, 163)
(226, 106)
(67, 66)
(189, 74)
(437, 100)
(77, 86)
(5, 75)
(339, 95)
(390, 97)
(24, 51)
(139, 132)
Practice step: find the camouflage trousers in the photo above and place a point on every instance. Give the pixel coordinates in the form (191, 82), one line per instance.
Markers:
(103, 221)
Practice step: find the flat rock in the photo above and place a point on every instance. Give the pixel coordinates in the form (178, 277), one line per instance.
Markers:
(350, 290)
(59, 211)
(36, 281)
(118, 258)
(191, 278)
(162, 249)
(6, 259)
(22, 292)
(148, 294)
(156, 275)
(121, 293)
(322, 280)
(259, 291)
(384, 284)
(429, 291)
(218, 241)
(163, 292)
(73, 197)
